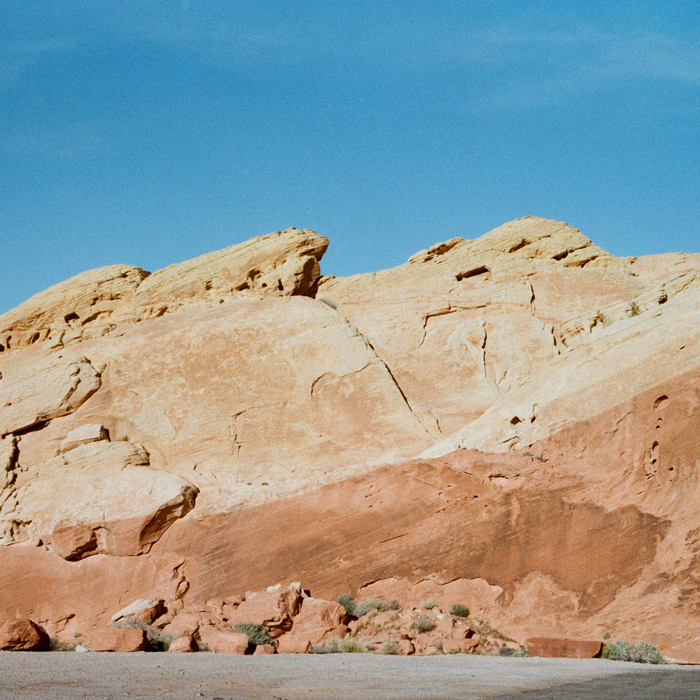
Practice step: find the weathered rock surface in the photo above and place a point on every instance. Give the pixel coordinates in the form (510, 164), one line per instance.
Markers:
(118, 639)
(101, 498)
(33, 392)
(554, 647)
(23, 635)
(507, 422)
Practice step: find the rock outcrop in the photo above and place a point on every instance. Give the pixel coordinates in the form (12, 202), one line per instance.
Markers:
(507, 421)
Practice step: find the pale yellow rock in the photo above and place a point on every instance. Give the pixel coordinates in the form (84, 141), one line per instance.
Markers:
(283, 263)
(35, 390)
(283, 391)
(590, 379)
(92, 432)
(101, 498)
(465, 322)
(84, 298)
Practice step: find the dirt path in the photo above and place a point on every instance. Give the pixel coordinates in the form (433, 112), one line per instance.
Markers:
(70, 676)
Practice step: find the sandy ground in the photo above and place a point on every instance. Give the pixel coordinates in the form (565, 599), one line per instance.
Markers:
(63, 676)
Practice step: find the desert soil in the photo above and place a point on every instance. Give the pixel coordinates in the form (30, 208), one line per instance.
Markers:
(64, 676)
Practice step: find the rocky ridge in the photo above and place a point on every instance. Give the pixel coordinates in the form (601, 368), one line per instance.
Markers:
(513, 415)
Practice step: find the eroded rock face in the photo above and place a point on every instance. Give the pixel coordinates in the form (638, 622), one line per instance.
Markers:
(36, 391)
(508, 421)
(102, 498)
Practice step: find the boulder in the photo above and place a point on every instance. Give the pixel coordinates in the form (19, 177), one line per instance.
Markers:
(183, 624)
(320, 620)
(118, 639)
(183, 645)
(223, 642)
(460, 644)
(556, 647)
(265, 649)
(103, 498)
(144, 610)
(290, 644)
(275, 609)
(23, 635)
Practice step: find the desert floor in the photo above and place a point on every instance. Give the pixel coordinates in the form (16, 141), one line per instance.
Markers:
(59, 676)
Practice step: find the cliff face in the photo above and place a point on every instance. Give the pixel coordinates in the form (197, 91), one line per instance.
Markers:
(513, 415)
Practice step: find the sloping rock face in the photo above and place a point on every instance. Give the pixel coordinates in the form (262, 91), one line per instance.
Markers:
(507, 422)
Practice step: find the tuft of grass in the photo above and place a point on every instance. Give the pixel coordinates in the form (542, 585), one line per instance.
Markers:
(365, 606)
(424, 624)
(362, 607)
(429, 604)
(337, 646)
(391, 648)
(55, 645)
(639, 652)
(515, 653)
(257, 634)
(459, 610)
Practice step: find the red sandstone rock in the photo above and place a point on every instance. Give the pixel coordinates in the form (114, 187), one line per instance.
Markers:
(23, 635)
(552, 384)
(289, 644)
(224, 642)
(143, 610)
(554, 647)
(183, 645)
(319, 620)
(265, 649)
(460, 644)
(118, 639)
(275, 608)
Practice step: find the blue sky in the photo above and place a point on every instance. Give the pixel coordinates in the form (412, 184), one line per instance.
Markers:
(151, 132)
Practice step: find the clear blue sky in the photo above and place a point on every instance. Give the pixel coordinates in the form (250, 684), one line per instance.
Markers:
(151, 132)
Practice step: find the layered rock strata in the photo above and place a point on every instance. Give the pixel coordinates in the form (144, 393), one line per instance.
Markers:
(513, 415)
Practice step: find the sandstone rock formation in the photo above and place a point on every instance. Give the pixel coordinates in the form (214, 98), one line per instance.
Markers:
(507, 421)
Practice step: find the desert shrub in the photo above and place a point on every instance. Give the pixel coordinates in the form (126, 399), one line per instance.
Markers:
(639, 652)
(517, 653)
(429, 604)
(337, 646)
(391, 647)
(393, 605)
(365, 606)
(459, 610)
(257, 634)
(348, 602)
(424, 624)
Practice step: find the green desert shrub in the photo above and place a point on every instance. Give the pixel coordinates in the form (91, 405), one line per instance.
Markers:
(393, 605)
(459, 610)
(639, 652)
(348, 602)
(365, 606)
(257, 634)
(391, 647)
(424, 624)
(429, 604)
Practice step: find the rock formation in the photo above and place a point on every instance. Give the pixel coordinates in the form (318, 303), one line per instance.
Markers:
(508, 421)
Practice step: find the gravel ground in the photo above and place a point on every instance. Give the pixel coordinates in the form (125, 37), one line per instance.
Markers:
(64, 676)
